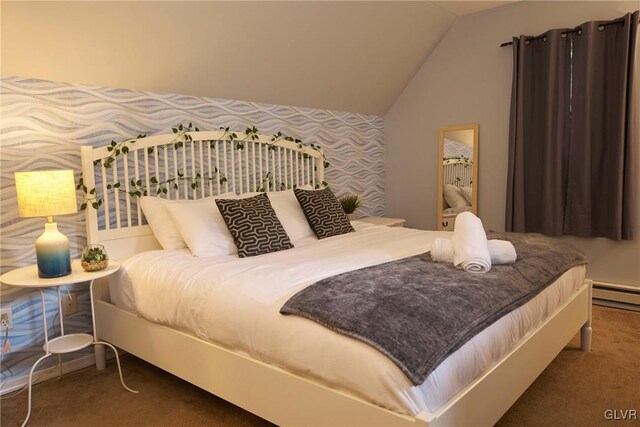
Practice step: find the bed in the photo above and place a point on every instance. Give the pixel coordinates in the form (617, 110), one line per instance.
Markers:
(263, 370)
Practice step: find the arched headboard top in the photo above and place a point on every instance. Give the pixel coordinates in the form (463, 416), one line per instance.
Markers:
(221, 135)
(184, 165)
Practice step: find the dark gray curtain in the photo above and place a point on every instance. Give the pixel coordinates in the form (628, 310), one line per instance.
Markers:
(539, 131)
(602, 181)
(572, 135)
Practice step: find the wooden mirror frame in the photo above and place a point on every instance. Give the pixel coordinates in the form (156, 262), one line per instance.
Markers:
(475, 127)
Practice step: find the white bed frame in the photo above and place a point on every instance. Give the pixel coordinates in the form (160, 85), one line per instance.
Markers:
(270, 392)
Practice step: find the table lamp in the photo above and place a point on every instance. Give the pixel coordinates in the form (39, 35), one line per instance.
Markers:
(48, 193)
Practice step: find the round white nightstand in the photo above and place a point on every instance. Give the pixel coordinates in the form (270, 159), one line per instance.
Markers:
(27, 277)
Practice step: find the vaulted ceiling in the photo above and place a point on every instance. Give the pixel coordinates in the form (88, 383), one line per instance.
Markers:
(348, 56)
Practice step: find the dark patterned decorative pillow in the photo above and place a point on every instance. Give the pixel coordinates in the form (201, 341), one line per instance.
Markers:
(324, 212)
(254, 226)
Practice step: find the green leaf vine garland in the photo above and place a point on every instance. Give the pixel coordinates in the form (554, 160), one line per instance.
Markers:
(137, 188)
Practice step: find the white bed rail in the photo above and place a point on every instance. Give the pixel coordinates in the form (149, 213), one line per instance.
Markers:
(288, 399)
(184, 165)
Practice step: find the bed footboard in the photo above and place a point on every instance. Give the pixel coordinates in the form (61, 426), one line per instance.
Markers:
(249, 383)
(265, 390)
(508, 379)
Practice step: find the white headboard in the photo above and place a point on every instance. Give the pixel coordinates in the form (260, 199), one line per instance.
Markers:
(184, 165)
(458, 172)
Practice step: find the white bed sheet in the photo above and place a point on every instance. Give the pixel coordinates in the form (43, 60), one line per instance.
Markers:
(235, 302)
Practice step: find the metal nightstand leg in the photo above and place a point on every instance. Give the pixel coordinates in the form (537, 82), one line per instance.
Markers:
(30, 378)
(48, 352)
(46, 347)
(117, 362)
(61, 314)
(96, 342)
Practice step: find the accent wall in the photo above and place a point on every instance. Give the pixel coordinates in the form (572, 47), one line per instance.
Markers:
(44, 123)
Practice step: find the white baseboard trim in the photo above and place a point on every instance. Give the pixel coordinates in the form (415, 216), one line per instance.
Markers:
(16, 383)
(616, 295)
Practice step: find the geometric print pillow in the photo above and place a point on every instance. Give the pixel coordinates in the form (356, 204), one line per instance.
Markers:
(324, 212)
(254, 226)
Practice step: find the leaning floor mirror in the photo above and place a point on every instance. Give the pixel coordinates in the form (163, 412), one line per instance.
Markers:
(457, 173)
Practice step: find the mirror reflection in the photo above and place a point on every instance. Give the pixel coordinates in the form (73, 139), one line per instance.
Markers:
(458, 169)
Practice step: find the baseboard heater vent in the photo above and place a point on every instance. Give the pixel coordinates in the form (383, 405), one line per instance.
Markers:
(615, 295)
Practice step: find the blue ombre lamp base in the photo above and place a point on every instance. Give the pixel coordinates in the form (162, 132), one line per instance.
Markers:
(52, 253)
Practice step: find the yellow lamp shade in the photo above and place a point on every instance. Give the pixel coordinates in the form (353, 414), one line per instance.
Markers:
(46, 193)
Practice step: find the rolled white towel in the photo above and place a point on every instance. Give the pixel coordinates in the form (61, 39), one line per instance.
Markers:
(502, 252)
(470, 248)
(442, 250)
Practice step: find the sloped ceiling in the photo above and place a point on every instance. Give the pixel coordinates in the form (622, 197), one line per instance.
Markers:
(348, 56)
(460, 8)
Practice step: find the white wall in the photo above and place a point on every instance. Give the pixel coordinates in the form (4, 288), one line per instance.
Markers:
(467, 79)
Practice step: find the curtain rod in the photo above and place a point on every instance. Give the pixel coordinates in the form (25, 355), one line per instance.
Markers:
(575, 30)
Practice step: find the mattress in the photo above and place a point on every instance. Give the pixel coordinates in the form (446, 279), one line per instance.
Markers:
(235, 303)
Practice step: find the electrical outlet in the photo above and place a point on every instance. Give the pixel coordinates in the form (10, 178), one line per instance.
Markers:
(6, 318)
(69, 304)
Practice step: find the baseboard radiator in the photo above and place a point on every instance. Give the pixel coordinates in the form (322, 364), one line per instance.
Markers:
(615, 295)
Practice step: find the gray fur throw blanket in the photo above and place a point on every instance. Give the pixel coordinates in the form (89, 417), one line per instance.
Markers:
(418, 312)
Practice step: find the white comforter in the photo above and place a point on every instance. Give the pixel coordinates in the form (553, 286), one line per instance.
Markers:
(235, 302)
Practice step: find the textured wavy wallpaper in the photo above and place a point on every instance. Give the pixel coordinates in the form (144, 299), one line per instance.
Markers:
(44, 123)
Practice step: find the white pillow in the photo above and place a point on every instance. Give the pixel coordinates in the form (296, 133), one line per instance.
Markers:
(467, 193)
(291, 215)
(201, 225)
(165, 231)
(453, 196)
